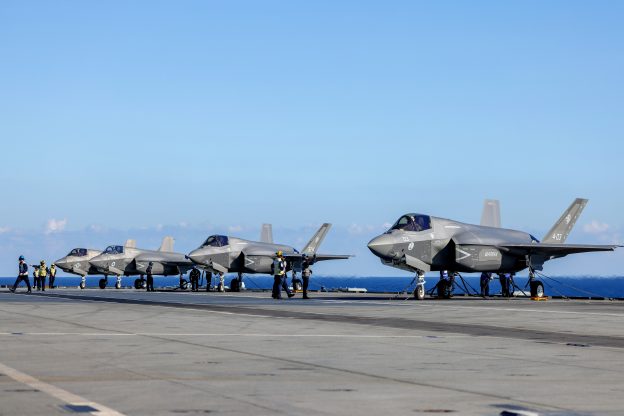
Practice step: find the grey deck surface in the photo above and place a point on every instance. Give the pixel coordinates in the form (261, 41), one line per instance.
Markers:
(136, 353)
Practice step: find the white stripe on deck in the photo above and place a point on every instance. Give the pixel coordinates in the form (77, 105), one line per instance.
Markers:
(173, 334)
(57, 392)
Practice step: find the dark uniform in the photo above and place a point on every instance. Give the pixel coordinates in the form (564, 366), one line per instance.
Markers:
(306, 272)
(485, 284)
(194, 275)
(22, 275)
(150, 278)
(504, 282)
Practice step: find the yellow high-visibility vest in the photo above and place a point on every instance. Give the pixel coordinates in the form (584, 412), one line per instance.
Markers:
(42, 271)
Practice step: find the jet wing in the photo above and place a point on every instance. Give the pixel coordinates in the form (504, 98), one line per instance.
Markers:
(170, 262)
(553, 249)
(319, 257)
(322, 257)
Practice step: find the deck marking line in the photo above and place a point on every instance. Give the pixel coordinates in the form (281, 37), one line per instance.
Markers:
(57, 392)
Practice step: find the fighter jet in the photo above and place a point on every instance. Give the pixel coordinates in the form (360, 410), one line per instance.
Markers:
(77, 262)
(223, 254)
(127, 260)
(422, 243)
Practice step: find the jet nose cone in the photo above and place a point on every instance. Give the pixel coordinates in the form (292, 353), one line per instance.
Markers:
(61, 263)
(381, 245)
(194, 256)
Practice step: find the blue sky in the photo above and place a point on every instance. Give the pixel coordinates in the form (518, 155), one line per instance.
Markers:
(120, 119)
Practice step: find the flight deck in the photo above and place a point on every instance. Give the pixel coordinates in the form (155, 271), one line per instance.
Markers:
(128, 352)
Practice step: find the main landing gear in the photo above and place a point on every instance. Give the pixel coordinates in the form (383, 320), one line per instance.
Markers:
(537, 287)
(237, 283)
(297, 284)
(140, 283)
(103, 282)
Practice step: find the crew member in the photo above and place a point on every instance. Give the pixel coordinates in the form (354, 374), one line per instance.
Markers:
(194, 275)
(150, 277)
(285, 277)
(52, 276)
(510, 284)
(35, 275)
(485, 284)
(279, 276)
(306, 272)
(502, 277)
(43, 273)
(22, 274)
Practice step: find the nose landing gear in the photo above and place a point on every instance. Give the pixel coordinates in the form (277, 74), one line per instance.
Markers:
(419, 291)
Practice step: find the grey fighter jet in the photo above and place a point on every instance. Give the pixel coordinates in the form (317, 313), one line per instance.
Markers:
(422, 243)
(77, 262)
(223, 254)
(127, 260)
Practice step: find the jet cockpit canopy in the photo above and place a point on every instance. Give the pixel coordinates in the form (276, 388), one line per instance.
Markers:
(78, 252)
(114, 250)
(216, 241)
(412, 222)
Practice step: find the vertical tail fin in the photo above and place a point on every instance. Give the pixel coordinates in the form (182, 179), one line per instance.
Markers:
(130, 243)
(316, 240)
(491, 213)
(559, 232)
(167, 245)
(266, 235)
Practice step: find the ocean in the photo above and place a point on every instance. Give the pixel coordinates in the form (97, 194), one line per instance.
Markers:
(577, 286)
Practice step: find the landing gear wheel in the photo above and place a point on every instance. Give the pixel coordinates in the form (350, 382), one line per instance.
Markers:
(537, 289)
(297, 285)
(102, 283)
(419, 292)
(82, 285)
(117, 285)
(183, 284)
(234, 285)
(138, 284)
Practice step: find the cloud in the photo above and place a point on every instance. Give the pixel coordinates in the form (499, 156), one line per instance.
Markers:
(96, 228)
(596, 227)
(355, 229)
(235, 228)
(4, 230)
(359, 229)
(55, 226)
